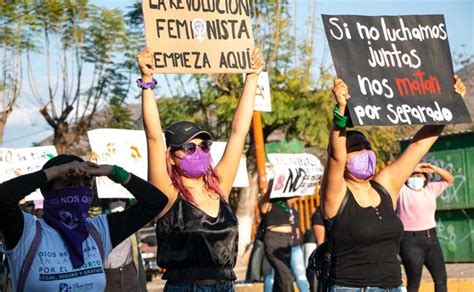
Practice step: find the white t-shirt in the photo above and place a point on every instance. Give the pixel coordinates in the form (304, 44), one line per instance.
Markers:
(51, 269)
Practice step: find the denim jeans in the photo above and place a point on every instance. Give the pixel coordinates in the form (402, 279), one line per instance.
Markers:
(220, 286)
(422, 248)
(298, 269)
(337, 288)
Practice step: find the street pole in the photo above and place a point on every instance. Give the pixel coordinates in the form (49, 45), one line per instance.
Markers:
(259, 151)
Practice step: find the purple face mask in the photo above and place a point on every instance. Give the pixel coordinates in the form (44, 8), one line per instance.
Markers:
(362, 166)
(66, 210)
(195, 165)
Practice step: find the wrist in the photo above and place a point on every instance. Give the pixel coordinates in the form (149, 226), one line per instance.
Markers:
(251, 76)
(338, 118)
(147, 78)
(143, 84)
(119, 175)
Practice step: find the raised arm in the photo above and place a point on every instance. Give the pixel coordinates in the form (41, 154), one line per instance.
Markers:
(396, 174)
(333, 185)
(157, 170)
(12, 191)
(443, 173)
(150, 202)
(227, 167)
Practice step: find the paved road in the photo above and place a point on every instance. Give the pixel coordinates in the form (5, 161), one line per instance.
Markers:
(461, 279)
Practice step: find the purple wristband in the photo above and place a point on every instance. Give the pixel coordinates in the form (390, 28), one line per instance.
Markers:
(147, 85)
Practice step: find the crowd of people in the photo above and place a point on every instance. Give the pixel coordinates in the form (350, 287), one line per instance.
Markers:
(387, 212)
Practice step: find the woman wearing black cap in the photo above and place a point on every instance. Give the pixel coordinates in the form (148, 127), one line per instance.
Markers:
(65, 250)
(367, 234)
(197, 231)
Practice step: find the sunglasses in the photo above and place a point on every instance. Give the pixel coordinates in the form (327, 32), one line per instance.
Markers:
(190, 148)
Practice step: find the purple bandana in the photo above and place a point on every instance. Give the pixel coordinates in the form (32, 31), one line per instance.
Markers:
(66, 210)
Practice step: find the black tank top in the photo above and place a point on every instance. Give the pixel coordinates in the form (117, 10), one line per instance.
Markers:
(194, 246)
(279, 215)
(366, 244)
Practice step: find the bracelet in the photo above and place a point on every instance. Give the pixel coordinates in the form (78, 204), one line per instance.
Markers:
(339, 120)
(147, 85)
(118, 174)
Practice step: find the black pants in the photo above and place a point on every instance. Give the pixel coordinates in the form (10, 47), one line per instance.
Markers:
(122, 279)
(278, 252)
(422, 248)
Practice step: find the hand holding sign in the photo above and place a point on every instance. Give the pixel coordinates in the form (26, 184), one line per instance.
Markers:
(459, 86)
(258, 63)
(341, 93)
(145, 61)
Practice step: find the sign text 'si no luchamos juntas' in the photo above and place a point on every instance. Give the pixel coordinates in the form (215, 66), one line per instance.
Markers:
(398, 69)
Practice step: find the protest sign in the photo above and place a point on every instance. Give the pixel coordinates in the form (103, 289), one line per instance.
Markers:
(127, 148)
(398, 69)
(16, 162)
(242, 178)
(263, 101)
(202, 36)
(295, 174)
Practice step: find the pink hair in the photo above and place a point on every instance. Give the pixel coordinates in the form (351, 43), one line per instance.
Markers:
(211, 180)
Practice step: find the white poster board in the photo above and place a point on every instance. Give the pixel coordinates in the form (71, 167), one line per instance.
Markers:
(242, 177)
(263, 100)
(295, 174)
(20, 161)
(127, 148)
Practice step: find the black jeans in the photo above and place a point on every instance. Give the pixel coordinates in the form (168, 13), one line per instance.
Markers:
(422, 248)
(278, 252)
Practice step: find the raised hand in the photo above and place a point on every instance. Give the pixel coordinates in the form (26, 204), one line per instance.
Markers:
(258, 63)
(425, 167)
(341, 93)
(145, 61)
(459, 86)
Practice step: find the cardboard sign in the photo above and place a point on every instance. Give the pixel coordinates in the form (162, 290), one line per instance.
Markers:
(295, 174)
(127, 148)
(398, 69)
(211, 36)
(16, 162)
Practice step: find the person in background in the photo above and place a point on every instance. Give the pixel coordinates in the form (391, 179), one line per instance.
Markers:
(416, 209)
(296, 258)
(124, 270)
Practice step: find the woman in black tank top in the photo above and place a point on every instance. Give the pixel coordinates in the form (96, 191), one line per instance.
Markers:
(278, 239)
(197, 231)
(368, 233)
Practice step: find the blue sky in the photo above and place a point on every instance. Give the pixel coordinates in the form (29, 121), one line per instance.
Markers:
(26, 126)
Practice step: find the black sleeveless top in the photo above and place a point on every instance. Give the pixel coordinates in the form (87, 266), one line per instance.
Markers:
(366, 244)
(279, 215)
(195, 246)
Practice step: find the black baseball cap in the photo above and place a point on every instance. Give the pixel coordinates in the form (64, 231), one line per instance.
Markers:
(181, 133)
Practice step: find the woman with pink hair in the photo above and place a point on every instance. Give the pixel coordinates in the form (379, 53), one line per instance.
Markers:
(197, 230)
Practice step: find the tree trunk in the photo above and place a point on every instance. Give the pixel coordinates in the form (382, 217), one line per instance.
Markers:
(60, 137)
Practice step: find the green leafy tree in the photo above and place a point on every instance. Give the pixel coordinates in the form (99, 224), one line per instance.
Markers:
(91, 39)
(15, 38)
